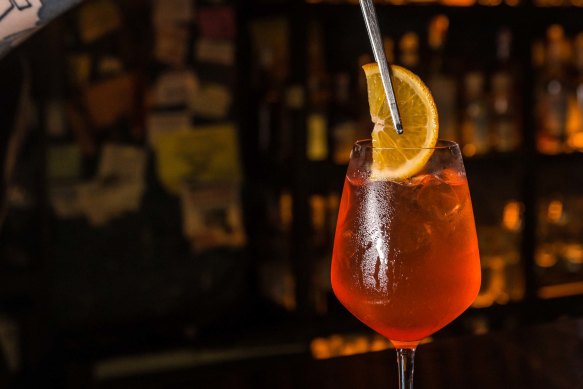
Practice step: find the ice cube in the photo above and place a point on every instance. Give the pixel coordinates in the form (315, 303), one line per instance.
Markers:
(438, 198)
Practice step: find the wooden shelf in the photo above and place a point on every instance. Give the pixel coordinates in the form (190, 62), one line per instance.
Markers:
(561, 290)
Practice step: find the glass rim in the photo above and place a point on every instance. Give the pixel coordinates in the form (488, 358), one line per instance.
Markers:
(441, 144)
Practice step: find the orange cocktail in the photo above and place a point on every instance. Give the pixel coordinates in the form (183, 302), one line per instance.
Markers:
(405, 256)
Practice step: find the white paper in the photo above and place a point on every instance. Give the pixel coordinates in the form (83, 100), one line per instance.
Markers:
(175, 88)
(212, 216)
(212, 101)
(102, 201)
(118, 187)
(122, 162)
(215, 51)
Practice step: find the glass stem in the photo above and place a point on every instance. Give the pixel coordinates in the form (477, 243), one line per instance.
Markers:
(406, 364)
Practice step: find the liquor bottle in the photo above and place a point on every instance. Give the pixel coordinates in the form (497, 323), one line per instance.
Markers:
(321, 257)
(442, 84)
(269, 106)
(475, 117)
(409, 51)
(344, 121)
(324, 212)
(505, 109)
(575, 117)
(389, 47)
(318, 98)
(552, 95)
(364, 125)
(458, 3)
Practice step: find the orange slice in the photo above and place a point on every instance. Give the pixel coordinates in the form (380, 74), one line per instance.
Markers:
(397, 157)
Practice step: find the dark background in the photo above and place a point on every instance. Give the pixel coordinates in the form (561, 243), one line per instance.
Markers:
(75, 297)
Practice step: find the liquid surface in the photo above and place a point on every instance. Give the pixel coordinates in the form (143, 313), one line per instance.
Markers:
(406, 259)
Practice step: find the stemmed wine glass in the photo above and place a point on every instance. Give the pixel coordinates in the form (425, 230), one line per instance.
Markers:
(405, 259)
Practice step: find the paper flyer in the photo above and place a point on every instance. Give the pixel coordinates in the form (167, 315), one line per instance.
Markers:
(175, 88)
(117, 188)
(159, 124)
(172, 11)
(122, 162)
(212, 101)
(108, 101)
(63, 162)
(171, 44)
(102, 201)
(97, 19)
(212, 216)
(221, 52)
(204, 154)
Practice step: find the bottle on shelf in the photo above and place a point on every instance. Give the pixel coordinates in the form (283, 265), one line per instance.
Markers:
(409, 51)
(269, 107)
(318, 98)
(475, 116)
(389, 47)
(502, 268)
(505, 103)
(458, 3)
(442, 84)
(552, 94)
(344, 122)
(574, 141)
(364, 126)
(322, 253)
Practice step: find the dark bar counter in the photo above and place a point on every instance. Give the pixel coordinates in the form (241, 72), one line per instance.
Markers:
(548, 356)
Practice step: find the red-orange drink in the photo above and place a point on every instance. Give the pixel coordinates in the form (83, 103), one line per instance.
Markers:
(406, 259)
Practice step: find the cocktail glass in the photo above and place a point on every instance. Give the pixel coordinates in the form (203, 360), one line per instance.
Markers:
(405, 259)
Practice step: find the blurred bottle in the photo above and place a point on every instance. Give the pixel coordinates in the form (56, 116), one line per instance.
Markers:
(320, 271)
(409, 51)
(505, 102)
(276, 277)
(475, 119)
(512, 220)
(318, 97)
(269, 44)
(575, 116)
(344, 120)
(440, 81)
(552, 94)
(269, 106)
(364, 127)
(389, 46)
(458, 3)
